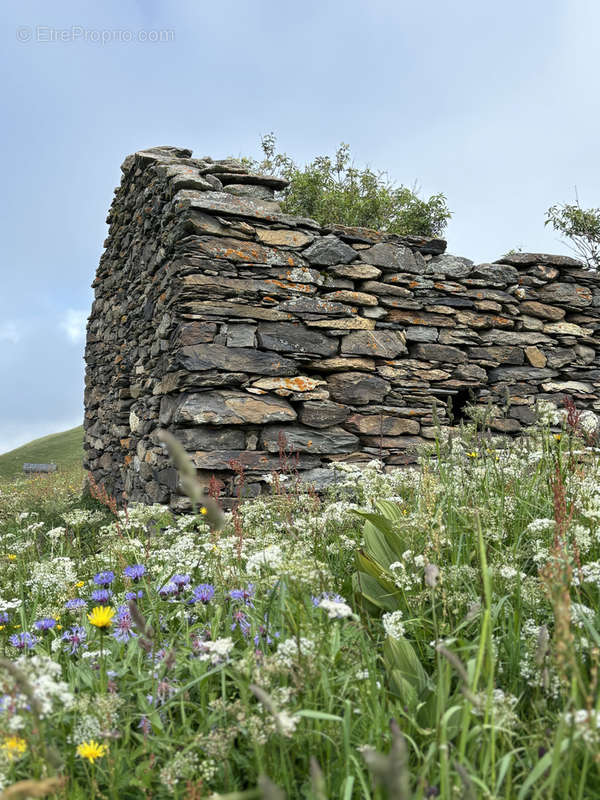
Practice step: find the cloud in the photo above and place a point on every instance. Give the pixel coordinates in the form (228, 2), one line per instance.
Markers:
(73, 323)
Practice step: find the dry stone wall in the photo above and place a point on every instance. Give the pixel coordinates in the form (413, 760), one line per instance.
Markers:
(255, 336)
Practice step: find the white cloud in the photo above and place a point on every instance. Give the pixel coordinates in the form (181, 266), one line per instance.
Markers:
(9, 333)
(73, 323)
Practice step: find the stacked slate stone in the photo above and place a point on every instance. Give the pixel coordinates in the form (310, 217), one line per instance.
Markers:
(258, 338)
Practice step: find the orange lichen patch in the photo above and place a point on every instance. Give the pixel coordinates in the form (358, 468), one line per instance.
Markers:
(583, 292)
(300, 383)
(118, 359)
(230, 251)
(412, 284)
(128, 459)
(125, 443)
(299, 287)
(290, 261)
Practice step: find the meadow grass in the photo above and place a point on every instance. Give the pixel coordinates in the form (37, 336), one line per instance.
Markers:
(431, 632)
(63, 449)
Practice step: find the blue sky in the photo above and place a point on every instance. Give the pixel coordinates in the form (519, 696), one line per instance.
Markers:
(495, 104)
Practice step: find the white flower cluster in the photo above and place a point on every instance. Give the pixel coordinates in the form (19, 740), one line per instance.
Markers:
(53, 578)
(270, 558)
(588, 422)
(291, 650)
(43, 676)
(336, 609)
(393, 625)
(82, 516)
(216, 652)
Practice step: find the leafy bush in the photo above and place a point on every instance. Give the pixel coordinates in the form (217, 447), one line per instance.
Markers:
(334, 191)
(580, 227)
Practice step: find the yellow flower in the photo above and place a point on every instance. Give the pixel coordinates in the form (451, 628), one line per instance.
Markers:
(79, 584)
(91, 750)
(101, 616)
(472, 455)
(14, 746)
(204, 510)
(11, 557)
(558, 436)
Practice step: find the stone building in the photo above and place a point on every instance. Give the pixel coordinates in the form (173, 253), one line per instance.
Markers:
(255, 336)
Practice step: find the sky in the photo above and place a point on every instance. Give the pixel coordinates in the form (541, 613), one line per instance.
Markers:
(493, 104)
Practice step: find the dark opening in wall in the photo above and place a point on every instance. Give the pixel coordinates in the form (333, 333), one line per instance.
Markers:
(458, 403)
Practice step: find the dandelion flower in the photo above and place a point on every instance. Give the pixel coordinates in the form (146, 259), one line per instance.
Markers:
(101, 616)
(14, 747)
(91, 750)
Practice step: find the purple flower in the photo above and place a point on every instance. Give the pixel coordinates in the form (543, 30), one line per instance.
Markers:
(336, 598)
(167, 590)
(134, 595)
(74, 639)
(145, 725)
(203, 594)
(23, 641)
(135, 572)
(157, 656)
(263, 633)
(104, 578)
(245, 595)
(4, 617)
(76, 604)
(45, 624)
(241, 621)
(124, 625)
(101, 595)
(180, 581)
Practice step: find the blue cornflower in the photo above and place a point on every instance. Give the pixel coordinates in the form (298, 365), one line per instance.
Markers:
(76, 604)
(4, 618)
(135, 572)
(134, 595)
(203, 593)
(104, 578)
(45, 624)
(74, 639)
(124, 625)
(241, 621)
(245, 595)
(180, 581)
(167, 590)
(101, 595)
(23, 641)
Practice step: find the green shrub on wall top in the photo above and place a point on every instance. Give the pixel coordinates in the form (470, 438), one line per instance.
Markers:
(333, 190)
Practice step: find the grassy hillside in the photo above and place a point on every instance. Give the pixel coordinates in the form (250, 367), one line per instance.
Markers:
(64, 449)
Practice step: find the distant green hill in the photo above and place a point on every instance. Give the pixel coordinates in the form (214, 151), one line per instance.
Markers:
(63, 449)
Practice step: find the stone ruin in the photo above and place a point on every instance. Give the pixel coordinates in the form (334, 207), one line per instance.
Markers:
(254, 336)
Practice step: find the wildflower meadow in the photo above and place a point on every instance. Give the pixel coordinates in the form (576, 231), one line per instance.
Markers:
(431, 631)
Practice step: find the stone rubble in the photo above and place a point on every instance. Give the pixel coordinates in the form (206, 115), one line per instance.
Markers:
(259, 338)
